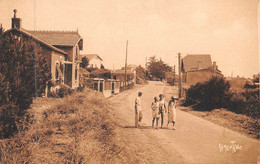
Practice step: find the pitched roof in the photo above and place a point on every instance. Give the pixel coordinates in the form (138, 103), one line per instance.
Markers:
(91, 56)
(58, 38)
(36, 38)
(190, 62)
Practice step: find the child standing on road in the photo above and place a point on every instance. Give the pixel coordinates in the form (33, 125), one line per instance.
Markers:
(138, 112)
(162, 108)
(172, 112)
(155, 113)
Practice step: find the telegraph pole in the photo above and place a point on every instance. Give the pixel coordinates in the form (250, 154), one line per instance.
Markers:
(174, 75)
(179, 62)
(126, 63)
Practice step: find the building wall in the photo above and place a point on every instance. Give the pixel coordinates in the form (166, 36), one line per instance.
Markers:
(199, 76)
(95, 63)
(237, 83)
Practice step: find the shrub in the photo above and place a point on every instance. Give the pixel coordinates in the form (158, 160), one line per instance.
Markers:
(209, 95)
(8, 120)
(246, 103)
(61, 92)
(215, 94)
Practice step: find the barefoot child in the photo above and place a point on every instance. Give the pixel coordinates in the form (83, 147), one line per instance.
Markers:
(172, 112)
(155, 113)
(162, 108)
(138, 112)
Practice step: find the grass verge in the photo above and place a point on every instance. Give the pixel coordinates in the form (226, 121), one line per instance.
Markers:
(76, 129)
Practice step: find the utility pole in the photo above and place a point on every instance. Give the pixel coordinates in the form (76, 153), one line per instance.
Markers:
(179, 62)
(174, 75)
(126, 63)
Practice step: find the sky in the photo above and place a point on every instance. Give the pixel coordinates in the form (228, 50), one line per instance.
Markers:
(227, 30)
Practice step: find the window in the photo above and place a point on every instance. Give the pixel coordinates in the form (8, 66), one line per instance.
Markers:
(76, 73)
(77, 51)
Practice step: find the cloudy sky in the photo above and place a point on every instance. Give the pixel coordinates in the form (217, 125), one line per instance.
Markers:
(228, 30)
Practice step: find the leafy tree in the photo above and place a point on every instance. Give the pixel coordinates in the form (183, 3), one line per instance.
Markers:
(158, 68)
(24, 68)
(140, 75)
(84, 63)
(24, 73)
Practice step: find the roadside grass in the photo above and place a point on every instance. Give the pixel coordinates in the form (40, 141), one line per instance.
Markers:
(236, 122)
(223, 117)
(76, 129)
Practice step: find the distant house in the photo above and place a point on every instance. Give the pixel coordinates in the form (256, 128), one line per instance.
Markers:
(237, 83)
(119, 75)
(131, 67)
(198, 68)
(61, 50)
(94, 60)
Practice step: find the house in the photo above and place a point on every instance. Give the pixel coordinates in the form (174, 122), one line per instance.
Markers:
(94, 60)
(198, 68)
(237, 83)
(61, 49)
(119, 75)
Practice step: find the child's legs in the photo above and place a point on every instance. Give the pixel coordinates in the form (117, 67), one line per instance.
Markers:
(136, 119)
(157, 120)
(162, 115)
(153, 121)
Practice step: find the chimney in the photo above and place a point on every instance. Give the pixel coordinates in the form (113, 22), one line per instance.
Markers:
(16, 22)
(199, 64)
(214, 66)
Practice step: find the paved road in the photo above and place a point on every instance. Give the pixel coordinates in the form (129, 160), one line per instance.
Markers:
(195, 140)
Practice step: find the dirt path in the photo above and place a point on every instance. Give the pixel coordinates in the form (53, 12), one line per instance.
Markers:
(195, 140)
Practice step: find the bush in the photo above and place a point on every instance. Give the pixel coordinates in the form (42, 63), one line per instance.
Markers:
(212, 94)
(8, 120)
(61, 92)
(246, 103)
(215, 94)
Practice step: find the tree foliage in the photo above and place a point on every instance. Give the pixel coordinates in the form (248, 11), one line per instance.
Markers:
(158, 68)
(24, 73)
(84, 63)
(140, 75)
(101, 73)
(24, 68)
(212, 94)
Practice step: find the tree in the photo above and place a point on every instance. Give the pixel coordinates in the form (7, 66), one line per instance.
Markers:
(158, 68)
(84, 63)
(24, 69)
(1, 30)
(102, 66)
(140, 75)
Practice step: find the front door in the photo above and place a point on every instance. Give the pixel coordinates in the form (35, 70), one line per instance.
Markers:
(68, 75)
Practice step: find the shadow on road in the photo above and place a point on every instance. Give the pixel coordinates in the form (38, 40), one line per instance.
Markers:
(147, 127)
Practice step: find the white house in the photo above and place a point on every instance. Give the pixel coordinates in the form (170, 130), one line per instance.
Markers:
(94, 60)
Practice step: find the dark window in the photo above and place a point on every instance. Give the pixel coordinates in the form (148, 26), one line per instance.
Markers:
(76, 73)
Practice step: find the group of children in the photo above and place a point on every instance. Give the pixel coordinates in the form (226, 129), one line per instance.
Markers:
(159, 110)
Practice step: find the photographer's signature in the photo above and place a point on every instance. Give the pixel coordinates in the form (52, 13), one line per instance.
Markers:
(233, 147)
